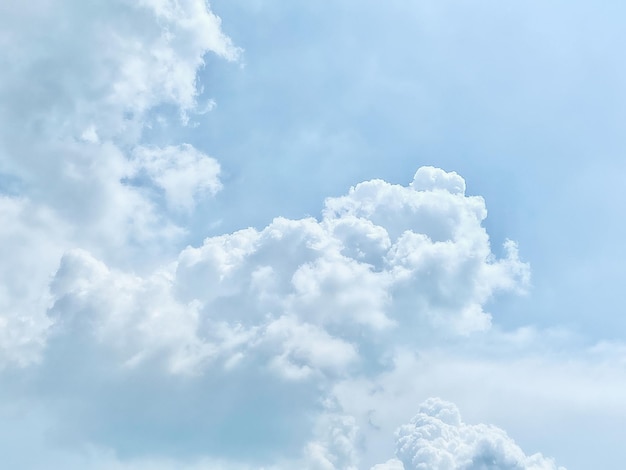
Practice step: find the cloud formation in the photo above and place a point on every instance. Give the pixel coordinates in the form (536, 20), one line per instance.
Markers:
(382, 258)
(438, 438)
(296, 306)
(81, 83)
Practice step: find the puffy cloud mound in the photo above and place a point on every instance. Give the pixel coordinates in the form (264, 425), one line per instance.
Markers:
(437, 438)
(306, 293)
(382, 255)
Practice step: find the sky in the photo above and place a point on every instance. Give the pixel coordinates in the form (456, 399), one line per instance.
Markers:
(263, 234)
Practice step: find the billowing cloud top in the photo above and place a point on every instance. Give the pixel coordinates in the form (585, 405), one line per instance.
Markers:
(437, 438)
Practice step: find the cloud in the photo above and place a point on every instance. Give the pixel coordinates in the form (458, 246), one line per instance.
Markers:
(336, 446)
(81, 84)
(319, 289)
(75, 110)
(246, 322)
(437, 438)
(380, 256)
(393, 464)
(182, 173)
(30, 246)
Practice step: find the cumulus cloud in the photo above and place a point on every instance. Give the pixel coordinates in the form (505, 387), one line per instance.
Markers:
(319, 289)
(75, 108)
(80, 84)
(438, 438)
(295, 306)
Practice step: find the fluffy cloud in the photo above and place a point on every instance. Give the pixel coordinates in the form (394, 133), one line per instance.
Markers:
(75, 108)
(437, 438)
(383, 257)
(295, 306)
(81, 83)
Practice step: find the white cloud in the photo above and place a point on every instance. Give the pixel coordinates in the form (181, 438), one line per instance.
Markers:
(141, 340)
(182, 172)
(306, 348)
(383, 255)
(80, 81)
(296, 307)
(79, 85)
(130, 315)
(30, 246)
(437, 438)
(393, 464)
(429, 178)
(318, 288)
(336, 446)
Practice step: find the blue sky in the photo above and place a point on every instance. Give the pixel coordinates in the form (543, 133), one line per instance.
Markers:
(269, 234)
